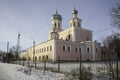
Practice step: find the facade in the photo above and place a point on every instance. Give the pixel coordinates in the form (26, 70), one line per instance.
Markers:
(67, 44)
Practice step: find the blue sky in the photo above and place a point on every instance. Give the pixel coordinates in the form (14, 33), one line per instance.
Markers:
(32, 18)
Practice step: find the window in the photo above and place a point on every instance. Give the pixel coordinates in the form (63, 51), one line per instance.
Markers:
(55, 25)
(80, 50)
(68, 48)
(47, 48)
(35, 57)
(74, 24)
(76, 50)
(63, 48)
(88, 50)
(69, 37)
(96, 50)
(87, 39)
(46, 57)
(50, 48)
(44, 49)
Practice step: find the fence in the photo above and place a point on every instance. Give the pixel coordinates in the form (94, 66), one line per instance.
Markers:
(102, 70)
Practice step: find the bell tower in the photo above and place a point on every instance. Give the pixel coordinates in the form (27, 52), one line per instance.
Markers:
(75, 21)
(56, 22)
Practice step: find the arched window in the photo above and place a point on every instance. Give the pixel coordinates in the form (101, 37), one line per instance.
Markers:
(74, 24)
(68, 48)
(55, 25)
(87, 39)
(76, 50)
(63, 48)
(50, 48)
(69, 37)
(80, 50)
(35, 57)
(88, 50)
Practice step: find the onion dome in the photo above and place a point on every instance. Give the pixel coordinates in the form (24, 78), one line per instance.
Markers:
(57, 16)
(74, 11)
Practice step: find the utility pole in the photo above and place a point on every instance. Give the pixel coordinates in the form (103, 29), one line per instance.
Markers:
(80, 78)
(33, 51)
(7, 47)
(18, 46)
(7, 52)
(58, 63)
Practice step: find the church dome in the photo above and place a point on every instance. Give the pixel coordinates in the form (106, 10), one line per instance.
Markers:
(57, 16)
(75, 11)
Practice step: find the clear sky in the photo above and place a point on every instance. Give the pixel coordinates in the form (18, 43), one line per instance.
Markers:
(32, 18)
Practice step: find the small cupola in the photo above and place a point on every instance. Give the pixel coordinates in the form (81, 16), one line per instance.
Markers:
(74, 11)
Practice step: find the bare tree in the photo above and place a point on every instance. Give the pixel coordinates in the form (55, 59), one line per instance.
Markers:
(112, 51)
(115, 16)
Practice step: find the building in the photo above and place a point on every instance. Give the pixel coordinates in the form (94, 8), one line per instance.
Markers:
(22, 55)
(107, 54)
(67, 44)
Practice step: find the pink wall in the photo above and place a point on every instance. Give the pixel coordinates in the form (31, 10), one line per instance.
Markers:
(83, 34)
(72, 54)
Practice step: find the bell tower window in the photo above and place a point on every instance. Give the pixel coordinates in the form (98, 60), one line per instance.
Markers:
(74, 24)
(55, 25)
(69, 36)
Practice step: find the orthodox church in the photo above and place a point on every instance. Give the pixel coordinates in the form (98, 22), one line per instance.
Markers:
(66, 44)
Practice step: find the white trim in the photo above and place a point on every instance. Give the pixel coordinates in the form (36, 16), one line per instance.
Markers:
(82, 51)
(54, 51)
(93, 51)
(73, 34)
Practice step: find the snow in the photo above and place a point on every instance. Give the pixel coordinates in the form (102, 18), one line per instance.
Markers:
(16, 72)
(19, 72)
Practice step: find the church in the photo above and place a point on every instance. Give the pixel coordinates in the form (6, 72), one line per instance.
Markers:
(66, 44)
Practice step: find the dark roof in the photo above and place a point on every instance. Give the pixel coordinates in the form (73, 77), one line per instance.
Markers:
(57, 16)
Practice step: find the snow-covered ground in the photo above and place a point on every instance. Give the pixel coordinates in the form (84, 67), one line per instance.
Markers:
(18, 72)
